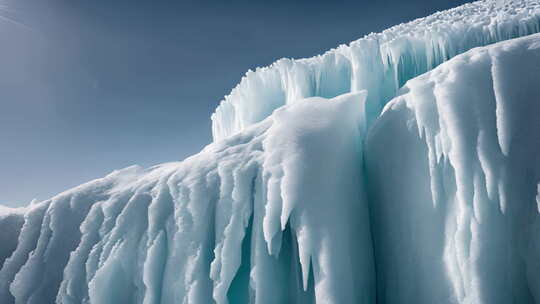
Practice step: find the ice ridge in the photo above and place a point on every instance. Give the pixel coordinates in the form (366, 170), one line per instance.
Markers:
(379, 63)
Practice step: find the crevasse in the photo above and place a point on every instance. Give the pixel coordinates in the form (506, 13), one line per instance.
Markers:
(437, 201)
(379, 63)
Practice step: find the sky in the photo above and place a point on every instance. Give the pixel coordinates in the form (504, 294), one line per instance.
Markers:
(90, 86)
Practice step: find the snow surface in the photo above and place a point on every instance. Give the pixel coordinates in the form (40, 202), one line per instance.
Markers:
(379, 63)
(435, 200)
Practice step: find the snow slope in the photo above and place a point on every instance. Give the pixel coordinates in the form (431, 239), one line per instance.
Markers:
(379, 63)
(438, 201)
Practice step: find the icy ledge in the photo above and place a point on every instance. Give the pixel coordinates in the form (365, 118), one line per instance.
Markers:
(379, 63)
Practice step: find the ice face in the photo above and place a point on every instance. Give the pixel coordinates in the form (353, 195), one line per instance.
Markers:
(453, 173)
(435, 200)
(379, 63)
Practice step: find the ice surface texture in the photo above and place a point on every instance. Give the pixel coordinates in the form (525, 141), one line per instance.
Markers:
(453, 170)
(435, 200)
(379, 63)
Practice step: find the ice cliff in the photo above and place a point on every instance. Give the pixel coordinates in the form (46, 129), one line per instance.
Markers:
(434, 198)
(453, 170)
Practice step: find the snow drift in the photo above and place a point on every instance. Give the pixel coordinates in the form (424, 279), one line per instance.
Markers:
(326, 200)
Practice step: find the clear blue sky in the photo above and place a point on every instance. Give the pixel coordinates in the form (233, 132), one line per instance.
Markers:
(89, 86)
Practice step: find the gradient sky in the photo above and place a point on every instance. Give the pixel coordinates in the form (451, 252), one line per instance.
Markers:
(89, 86)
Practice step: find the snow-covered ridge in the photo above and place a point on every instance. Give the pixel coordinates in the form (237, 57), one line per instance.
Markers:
(379, 63)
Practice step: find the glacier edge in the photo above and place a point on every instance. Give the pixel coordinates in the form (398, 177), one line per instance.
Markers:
(435, 200)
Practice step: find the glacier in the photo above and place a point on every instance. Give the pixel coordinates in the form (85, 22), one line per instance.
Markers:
(402, 168)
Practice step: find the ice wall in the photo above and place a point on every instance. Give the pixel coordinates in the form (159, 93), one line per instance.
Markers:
(379, 63)
(248, 220)
(453, 170)
(437, 202)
